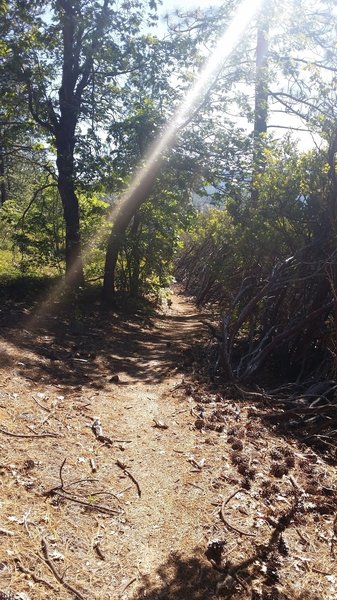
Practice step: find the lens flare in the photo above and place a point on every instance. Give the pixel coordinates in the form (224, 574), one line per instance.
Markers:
(131, 198)
(223, 49)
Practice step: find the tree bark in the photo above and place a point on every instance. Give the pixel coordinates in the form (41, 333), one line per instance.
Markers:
(65, 183)
(64, 126)
(261, 86)
(135, 256)
(3, 186)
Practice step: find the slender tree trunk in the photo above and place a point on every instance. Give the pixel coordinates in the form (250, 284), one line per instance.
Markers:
(115, 241)
(261, 103)
(3, 186)
(129, 204)
(332, 198)
(135, 255)
(261, 86)
(74, 263)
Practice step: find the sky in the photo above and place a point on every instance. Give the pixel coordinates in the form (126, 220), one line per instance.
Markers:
(172, 5)
(306, 140)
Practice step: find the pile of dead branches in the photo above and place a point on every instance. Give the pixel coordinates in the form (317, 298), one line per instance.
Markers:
(309, 411)
(286, 319)
(199, 268)
(280, 328)
(282, 321)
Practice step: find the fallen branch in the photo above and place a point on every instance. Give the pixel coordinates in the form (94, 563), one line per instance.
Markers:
(92, 505)
(315, 570)
(60, 578)
(41, 405)
(301, 536)
(60, 491)
(93, 465)
(126, 472)
(97, 429)
(231, 571)
(236, 529)
(128, 585)
(20, 567)
(255, 395)
(226, 522)
(159, 424)
(327, 408)
(98, 551)
(6, 532)
(30, 436)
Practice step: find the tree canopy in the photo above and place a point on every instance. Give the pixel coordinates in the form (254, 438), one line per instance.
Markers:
(88, 87)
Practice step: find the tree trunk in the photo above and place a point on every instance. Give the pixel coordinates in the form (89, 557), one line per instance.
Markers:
(135, 256)
(66, 187)
(261, 103)
(74, 263)
(332, 198)
(61, 123)
(3, 186)
(128, 205)
(261, 85)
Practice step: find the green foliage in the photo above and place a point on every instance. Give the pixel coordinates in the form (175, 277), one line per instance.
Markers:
(8, 268)
(128, 82)
(241, 238)
(94, 231)
(33, 228)
(146, 260)
(36, 230)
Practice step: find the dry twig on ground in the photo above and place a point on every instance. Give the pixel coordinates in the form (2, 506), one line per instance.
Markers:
(30, 436)
(57, 575)
(60, 490)
(35, 578)
(225, 520)
(122, 466)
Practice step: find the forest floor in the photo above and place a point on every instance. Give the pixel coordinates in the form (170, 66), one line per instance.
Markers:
(126, 509)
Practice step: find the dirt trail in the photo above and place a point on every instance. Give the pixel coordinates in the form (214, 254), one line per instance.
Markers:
(57, 380)
(170, 516)
(169, 519)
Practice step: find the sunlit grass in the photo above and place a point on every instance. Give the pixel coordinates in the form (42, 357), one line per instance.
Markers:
(8, 267)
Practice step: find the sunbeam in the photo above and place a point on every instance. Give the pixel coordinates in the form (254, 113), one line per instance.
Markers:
(133, 196)
(223, 49)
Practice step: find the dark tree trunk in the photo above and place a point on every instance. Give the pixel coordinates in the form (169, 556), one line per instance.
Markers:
(3, 186)
(77, 65)
(65, 141)
(261, 85)
(64, 126)
(74, 263)
(332, 198)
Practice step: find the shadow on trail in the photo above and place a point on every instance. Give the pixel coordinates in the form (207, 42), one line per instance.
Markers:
(193, 579)
(88, 344)
(180, 579)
